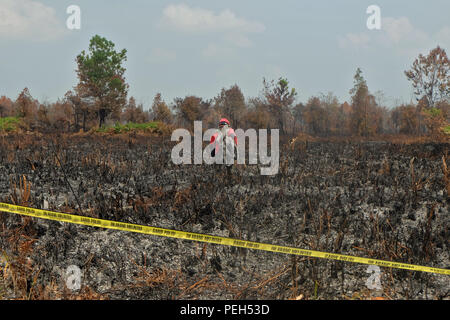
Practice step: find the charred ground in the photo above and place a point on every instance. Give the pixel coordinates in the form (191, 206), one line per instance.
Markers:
(372, 199)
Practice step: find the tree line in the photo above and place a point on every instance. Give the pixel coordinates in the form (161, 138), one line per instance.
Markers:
(100, 97)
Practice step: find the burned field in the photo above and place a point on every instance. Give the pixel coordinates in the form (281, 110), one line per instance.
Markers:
(375, 199)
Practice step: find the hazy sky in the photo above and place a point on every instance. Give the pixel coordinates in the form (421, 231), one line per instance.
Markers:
(198, 47)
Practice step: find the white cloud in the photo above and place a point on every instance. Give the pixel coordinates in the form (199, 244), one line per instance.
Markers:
(408, 40)
(397, 29)
(231, 31)
(397, 34)
(401, 31)
(184, 18)
(28, 19)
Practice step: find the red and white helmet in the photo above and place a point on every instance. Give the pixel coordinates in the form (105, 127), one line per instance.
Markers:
(223, 122)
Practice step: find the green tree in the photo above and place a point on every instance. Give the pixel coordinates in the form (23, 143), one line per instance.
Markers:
(101, 76)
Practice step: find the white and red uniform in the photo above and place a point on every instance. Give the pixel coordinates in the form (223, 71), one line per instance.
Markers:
(229, 133)
(227, 136)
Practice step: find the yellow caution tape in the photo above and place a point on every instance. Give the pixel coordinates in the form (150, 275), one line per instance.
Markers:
(70, 218)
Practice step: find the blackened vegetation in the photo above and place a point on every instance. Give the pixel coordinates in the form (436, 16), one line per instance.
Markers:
(378, 200)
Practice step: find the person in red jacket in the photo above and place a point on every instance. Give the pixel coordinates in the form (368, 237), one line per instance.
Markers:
(225, 135)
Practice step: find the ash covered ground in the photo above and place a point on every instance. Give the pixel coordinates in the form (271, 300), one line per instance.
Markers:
(373, 199)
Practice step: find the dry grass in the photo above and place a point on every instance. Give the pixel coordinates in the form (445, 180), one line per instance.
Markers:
(446, 173)
(21, 194)
(19, 273)
(25, 282)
